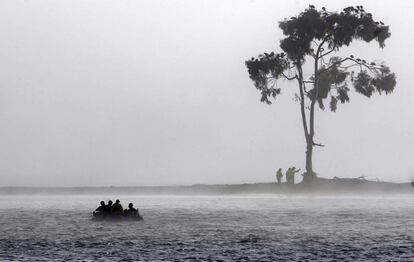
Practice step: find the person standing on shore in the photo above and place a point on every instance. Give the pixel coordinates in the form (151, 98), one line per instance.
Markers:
(293, 171)
(279, 176)
(288, 175)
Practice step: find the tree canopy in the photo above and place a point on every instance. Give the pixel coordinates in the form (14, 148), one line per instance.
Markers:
(317, 34)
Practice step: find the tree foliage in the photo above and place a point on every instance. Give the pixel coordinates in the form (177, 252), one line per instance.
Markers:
(328, 31)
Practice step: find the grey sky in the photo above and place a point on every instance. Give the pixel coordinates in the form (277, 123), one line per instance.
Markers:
(156, 93)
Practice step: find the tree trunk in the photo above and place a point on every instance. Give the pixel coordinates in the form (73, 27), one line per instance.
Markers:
(309, 151)
(309, 176)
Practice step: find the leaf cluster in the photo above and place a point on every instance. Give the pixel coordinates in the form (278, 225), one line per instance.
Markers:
(383, 81)
(328, 81)
(336, 29)
(333, 82)
(265, 69)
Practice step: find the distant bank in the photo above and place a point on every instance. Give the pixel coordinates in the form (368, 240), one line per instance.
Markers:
(336, 186)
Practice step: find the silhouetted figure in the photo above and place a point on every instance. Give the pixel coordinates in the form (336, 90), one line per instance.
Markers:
(117, 208)
(108, 208)
(100, 211)
(288, 175)
(131, 211)
(101, 208)
(279, 176)
(293, 171)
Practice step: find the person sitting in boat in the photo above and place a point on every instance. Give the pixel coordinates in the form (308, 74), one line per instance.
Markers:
(117, 208)
(131, 211)
(100, 210)
(108, 208)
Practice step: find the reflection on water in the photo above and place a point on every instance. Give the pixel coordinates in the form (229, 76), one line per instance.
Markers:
(252, 228)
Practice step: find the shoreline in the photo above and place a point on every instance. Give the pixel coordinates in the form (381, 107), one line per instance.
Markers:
(335, 186)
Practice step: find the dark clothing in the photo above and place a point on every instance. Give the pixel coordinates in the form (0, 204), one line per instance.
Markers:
(101, 209)
(131, 212)
(108, 209)
(279, 176)
(117, 208)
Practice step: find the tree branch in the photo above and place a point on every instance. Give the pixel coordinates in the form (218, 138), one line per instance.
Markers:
(302, 102)
(304, 88)
(330, 51)
(360, 63)
(315, 84)
(290, 78)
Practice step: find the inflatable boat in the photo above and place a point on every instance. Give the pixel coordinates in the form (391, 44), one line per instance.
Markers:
(97, 216)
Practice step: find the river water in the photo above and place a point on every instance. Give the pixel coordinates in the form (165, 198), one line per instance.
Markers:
(213, 228)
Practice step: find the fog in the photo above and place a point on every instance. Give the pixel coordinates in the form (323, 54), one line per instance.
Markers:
(102, 93)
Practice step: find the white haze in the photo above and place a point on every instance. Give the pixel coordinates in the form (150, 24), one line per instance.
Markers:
(157, 93)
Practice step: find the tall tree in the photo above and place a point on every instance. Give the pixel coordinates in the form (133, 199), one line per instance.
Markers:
(317, 35)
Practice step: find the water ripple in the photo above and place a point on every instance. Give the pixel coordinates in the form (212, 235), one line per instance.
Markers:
(210, 229)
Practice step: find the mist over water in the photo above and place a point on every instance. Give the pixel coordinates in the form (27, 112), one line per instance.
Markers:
(210, 228)
(156, 103)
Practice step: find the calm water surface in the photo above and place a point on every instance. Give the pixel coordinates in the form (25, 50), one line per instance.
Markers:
(250, 228)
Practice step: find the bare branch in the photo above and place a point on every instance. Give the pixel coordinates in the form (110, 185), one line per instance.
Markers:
(327, 53)
(290, 78)
(337, 63)
(304, 88)
(357, 63)
(302, 101)
(347, 67)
